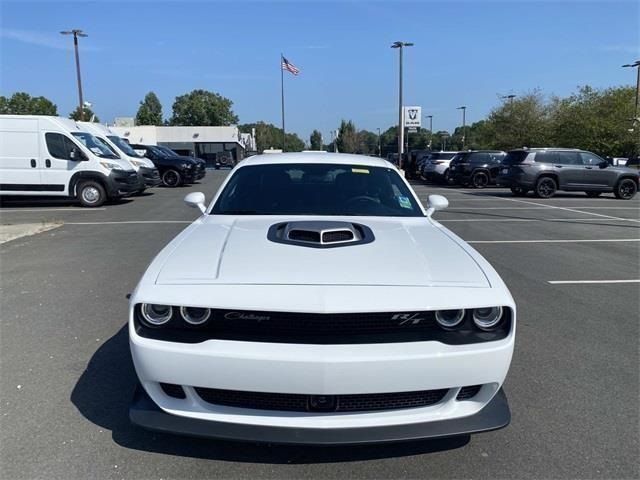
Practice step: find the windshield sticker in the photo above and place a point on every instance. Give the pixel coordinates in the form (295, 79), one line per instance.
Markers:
(404, 201)
(359, 170)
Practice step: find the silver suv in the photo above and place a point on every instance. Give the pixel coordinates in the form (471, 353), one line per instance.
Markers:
(547, 170)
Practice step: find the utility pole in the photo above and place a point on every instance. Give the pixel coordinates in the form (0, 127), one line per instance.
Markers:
(464, 123)
(636, 114)
(430, 117)
(77, 33)
(510, 97)
(379, 144)
(400, 46)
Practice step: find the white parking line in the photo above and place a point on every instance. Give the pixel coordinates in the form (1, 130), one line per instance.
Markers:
(536, 219)
(570, 209)
(558, 241)
(130, 222)
(71, 209)
(578, 282)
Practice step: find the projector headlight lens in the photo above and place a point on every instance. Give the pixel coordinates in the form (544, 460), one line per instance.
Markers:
(487, 318)
(449, 318)
(156, 314)
(195, 315)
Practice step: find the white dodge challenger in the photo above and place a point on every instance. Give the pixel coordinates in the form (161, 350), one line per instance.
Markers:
(316, 301)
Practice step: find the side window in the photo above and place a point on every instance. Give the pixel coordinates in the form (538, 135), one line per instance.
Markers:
(478, 158)
(495, 158)
(590, 159)
(545, 157)
(56, 145)
(569, 158)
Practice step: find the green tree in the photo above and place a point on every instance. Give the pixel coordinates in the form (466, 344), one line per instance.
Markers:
(315, 140)
(201, 107)
(595, 120)
(150, 111)
(367, 142)
(519, 123)
(88, 114)
(21, 103)
(270, 136)
(347, 137)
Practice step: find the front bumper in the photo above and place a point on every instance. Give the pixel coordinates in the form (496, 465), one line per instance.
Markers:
(145, 413)
(149, 177)
(121, 183)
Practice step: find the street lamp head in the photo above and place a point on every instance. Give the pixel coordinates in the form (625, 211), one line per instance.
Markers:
(401, 44)
(463, 107)
(76, 31)
(634, 64)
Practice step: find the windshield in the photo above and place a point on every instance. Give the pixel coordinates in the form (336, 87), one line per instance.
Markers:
(106, 144)
(317, 189)
(158, 151)
(167, 151)
(96, 146)
(123, 146)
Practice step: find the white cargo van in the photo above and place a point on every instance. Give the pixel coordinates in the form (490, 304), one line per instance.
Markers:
(148, 175)
(42, 155)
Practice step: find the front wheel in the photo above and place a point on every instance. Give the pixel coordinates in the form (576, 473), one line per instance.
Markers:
(480, 180)
(546, 187)
(519, 191)
(626, 189)
(91, 194)
(171, 178)
(447, 177)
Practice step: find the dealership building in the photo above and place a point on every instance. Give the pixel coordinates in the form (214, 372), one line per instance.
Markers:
(208, 143)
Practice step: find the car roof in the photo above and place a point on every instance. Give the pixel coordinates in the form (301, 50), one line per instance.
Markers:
(543, 149)
(315, 157)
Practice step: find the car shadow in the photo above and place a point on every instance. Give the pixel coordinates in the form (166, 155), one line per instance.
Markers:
(105, 388)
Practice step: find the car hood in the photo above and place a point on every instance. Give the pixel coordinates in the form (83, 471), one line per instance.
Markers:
(236, 250)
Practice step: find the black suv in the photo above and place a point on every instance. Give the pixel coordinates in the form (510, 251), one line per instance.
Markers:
(477, 168)
(546, 170)
(200, 167)
(174, 171)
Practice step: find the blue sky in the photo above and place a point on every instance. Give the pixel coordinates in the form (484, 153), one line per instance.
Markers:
(466, 52)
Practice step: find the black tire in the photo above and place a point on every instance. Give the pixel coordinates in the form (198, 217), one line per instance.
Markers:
(519, 191)
(446, 177)
(626, 189)
(172, 178)
(90, 194)
(480, 179)
(546, 187)
(593, 194)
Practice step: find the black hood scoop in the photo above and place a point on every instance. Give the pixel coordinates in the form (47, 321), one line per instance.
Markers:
(320, 234)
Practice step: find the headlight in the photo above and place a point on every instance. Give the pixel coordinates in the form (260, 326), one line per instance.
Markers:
(136, 163)
(194, 315)
(487, 318)
(449, 318)
(111, 166)
(156, 314)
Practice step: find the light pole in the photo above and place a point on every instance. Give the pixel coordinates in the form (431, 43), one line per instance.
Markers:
(509, 97)
(464, 123)
(379, 144)
(77, 33)
(430, 117)
(635, 65)
(400, 46)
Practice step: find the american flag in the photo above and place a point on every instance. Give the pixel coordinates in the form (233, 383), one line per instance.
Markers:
(289, 67)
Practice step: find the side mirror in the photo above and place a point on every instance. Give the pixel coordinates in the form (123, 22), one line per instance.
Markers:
(603, 164)
(196, 200)
(435, 203)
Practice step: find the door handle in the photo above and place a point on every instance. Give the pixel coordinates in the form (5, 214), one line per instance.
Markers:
(33, 163)
(589, 168)
(47, 163)
(558, 166)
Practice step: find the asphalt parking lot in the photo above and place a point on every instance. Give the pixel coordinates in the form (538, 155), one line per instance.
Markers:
(67, 377)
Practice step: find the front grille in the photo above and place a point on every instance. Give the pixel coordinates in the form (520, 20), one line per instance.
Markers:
(320, 328)
(291, 402)
(337, 236)
(468, 392)
(173, 390)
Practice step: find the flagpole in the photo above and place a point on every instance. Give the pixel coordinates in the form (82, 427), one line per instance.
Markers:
(284, 135)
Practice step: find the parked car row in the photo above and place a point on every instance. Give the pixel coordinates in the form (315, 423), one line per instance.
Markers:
(543, 171)
(54, 156)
